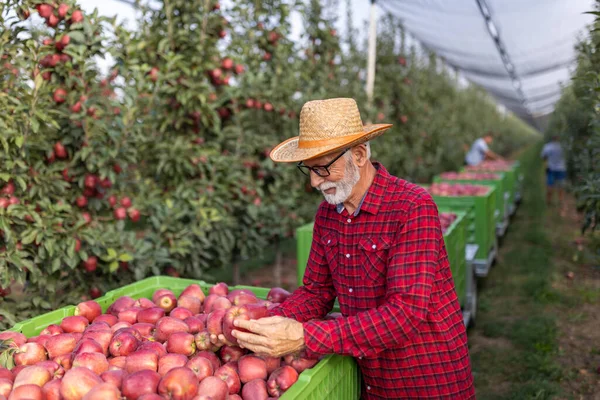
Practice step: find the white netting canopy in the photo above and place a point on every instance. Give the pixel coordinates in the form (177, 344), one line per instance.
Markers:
(521, 51)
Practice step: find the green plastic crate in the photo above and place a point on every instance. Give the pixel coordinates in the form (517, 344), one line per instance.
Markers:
(511, 178)
(455, 239)
(304, 237)
(334, 377)
(481, 222)
(501, 206)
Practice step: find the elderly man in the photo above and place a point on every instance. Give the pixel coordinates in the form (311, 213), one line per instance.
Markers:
(378, 248)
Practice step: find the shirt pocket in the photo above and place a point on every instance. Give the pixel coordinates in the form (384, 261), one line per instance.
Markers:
(330, 247)
(374, 255)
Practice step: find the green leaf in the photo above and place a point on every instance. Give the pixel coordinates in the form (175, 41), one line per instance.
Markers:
(19, 140)
(4, 176)
(125, 257)
(113, 266)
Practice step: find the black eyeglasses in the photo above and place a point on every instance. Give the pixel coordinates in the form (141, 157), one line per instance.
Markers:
(320, 170)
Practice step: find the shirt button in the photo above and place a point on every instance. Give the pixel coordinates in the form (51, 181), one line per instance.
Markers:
(350, 290)
(368, 387)
(374, 246)
(347, 255)
(360, 358)
(329, 241)
(349, 220)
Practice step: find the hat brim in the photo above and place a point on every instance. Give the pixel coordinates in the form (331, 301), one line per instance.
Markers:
(289, 151)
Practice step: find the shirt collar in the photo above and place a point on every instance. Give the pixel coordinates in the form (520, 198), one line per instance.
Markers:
(374, 195)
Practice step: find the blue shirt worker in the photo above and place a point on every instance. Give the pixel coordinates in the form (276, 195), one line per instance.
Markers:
(480, 151)
(556, 171)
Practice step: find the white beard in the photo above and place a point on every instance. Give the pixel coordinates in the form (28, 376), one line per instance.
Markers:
(343, 188)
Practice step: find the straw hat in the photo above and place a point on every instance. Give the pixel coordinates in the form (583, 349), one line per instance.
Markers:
(326, 126)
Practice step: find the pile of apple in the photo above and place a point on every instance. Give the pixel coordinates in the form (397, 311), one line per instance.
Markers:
(475, 176)
(457, 189)
(446, 219)
(498, 166)
(150, 350)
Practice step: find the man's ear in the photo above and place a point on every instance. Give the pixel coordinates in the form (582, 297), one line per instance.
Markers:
(359, 153)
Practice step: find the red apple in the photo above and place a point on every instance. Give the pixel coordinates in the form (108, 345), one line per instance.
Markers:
(220, 289)
(76, 17)
(53, 367)
(51, 389)
(77, 382)
(180, 313)
(252, 367)
(59, 96)
(90, 264)
(120, 213)
(18, 369)
(193, 290)
(123, 345)
(255, 390)
(281, 380)
(201, 366)
(52, 330)
(191, 303)
(195, 324)
(144, 303)
(96, 362)
(210, 356)
(88, 309)
(45, 10)
(245, 312)
(32, 375)
(179, 384)
(60, 344)
(17, 339)
(62, 10)
(146, 330)
(112, 200)
(278, 295)
(140, 383)
(141, 360)
(88, 345)
(214, 387)
(298, 362)
(156, 347)
(167, 302)
(159, 292)
(117, 363)
(202, 340)
(151, 396)
(102, 336)
(122, 303)
(166, 326)
(181, 343)
(126, 202)
(65, 361)
(6, 373)
(5, 387)
(272, 363)
(103, 391)
(230, 376)
(240, 297)
(170, 361)
(27, 392)
(110, 319)
(129, 315)
(30, 354)
(97, 326)
(214, 322)
(114, 377)
(134, 214)
(150, 315)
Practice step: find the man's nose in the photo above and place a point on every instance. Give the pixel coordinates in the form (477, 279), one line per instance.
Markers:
(315, 180)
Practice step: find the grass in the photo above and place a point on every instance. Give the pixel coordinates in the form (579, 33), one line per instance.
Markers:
(514, 345)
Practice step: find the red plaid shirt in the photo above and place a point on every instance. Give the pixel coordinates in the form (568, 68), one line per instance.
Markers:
(388, 267)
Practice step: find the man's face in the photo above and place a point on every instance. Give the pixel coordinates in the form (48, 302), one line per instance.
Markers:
(343, 176)
(488, 139)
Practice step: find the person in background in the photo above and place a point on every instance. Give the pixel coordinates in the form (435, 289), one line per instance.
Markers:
(480, 151)
(556, 171)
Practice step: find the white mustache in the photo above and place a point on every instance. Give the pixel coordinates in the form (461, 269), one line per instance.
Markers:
(324, 186)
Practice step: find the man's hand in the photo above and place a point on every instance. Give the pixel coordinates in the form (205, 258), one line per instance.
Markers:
(272, 336)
